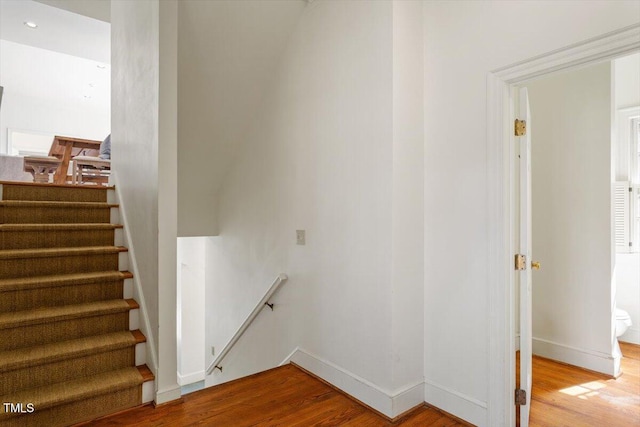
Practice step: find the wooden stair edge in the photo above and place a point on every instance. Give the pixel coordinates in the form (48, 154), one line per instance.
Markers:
(138, 336)
(6, 254)
(60, 280)
(51, 184)
(74, 390)
(65, 312)
(55, 203)
(76, 348)
(15, 227)
(146, 373)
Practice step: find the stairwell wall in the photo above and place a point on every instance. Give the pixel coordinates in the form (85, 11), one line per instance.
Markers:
(144, 145)
(337, 151)
(319, 158)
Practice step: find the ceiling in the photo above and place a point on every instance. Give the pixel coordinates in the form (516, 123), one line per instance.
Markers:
(96, 9)
(58, 30)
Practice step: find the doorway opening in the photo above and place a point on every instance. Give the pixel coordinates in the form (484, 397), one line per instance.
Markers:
(574, 165)
(500, 154)
(190, 322)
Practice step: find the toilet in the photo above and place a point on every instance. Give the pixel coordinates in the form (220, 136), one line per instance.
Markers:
(623, 321)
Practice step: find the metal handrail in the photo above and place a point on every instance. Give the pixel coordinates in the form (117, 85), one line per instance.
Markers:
(263, 302)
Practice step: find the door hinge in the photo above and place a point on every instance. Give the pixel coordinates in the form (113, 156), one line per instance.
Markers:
(520, 127)
(520, 262)
(521, 397)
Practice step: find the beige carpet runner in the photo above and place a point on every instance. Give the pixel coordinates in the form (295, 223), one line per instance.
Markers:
(67, 353)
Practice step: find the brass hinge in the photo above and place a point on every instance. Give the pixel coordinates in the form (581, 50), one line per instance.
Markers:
(521, 397)
(521, 262)
(520, 127)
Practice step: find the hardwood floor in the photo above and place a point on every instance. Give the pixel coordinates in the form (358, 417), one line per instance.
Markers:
(285, 396)
(564, 395)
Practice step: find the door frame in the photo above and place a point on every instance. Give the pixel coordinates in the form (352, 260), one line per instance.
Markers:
(500, 405)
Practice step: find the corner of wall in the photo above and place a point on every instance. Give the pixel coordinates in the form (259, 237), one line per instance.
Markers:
(389, 403)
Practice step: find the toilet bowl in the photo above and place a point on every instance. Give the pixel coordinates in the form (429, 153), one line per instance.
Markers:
(623, 321)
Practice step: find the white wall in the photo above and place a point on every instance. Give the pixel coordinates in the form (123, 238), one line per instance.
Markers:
(627, 81)
(319, 158)
(336, 150)
(191, 282)
(44, 92)
(571, 199)
(144, 141)
(220, 92)
(464, 41)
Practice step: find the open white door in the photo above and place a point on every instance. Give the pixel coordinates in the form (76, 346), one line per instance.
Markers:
(523, 138)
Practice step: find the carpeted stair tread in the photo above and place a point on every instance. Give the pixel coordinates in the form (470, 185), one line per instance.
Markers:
(72, 391)
(55, 204)
(49, 353)
(67, 312)
(56, 227)
(36, 282)
(50, 185)
(59, 252)
(70, 193)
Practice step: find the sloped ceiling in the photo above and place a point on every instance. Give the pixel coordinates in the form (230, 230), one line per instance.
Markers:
(228, 52)
(96, 9)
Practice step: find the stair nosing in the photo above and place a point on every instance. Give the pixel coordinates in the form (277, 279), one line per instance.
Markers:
(63, 390)
(60, 280)
(52, 352)
(66, 312)
(7, 254)
(15, 227)
(55, 203)
(49, 184)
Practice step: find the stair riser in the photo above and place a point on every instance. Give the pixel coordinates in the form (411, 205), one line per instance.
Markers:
(51, 193)
(63, 370)
(55, 239)
(54, 215)
(60, 295)
(75, 412)
(27, 267)
(46, 333)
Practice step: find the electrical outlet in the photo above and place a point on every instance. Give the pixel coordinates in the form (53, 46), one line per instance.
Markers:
(300, 237)
(213, 351)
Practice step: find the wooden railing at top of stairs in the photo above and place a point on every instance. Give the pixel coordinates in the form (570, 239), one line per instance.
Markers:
(65, 148)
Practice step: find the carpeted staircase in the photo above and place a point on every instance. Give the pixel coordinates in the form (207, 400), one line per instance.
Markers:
(69, 348)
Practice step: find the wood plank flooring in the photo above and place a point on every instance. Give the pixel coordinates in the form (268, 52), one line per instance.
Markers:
(285, 396)
(564, 395)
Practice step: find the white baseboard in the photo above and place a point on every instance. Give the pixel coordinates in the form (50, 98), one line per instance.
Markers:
(588, 359)
(191, 378)
(391, 404)
(168, 395)
(456, 403)
(631, 336)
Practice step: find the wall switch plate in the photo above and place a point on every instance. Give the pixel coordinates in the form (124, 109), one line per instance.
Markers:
(300, 237)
